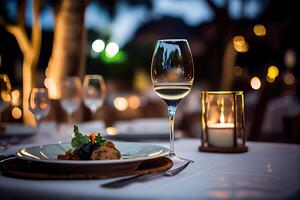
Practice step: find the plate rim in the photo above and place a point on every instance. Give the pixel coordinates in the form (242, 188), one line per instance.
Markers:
(165, 152)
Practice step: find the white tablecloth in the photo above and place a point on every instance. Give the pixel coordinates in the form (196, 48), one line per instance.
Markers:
(267, 171)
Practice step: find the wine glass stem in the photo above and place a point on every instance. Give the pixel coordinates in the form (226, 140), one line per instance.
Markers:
(38, 124)
(171, 111)
(93, 113)
(70, 118)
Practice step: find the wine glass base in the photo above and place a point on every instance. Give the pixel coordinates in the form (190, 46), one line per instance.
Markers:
(176, 158)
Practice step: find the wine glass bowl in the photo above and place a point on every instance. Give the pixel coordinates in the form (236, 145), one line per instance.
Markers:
(172, 75)
(71, 95)
(39, 103)
(93, 92)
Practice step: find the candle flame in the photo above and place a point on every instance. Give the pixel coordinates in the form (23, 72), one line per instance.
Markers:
(222, 118)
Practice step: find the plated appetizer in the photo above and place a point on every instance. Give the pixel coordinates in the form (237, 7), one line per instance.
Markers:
(92, 147)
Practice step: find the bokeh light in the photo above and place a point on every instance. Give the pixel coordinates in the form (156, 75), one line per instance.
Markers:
(111, 49)
(15, 97)
(260, 30)
(134, 102)
(290, 58)
(240, 44)
(6, 96)
(270, 80)
(121, 103)
(255, 83)
(98, 45)
(16, 112)
(111, 130)
(237, 71)
(289, 78)
(273, 72)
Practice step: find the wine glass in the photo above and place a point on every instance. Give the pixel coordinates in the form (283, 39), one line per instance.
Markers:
(71, 95)
(5, 93)
(39, 103)
(93, 92)
(172, 74)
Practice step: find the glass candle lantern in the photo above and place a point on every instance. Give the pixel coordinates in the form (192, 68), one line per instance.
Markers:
(223, 122)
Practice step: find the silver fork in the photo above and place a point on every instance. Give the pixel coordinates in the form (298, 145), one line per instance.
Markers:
(146, 177)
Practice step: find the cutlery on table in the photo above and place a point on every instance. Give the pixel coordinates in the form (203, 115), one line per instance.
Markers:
(178, 166)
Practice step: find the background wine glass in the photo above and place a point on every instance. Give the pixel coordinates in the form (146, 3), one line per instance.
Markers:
(93, 92)
(71, 95)
(172, 74)
(39, 104)
(5, 93)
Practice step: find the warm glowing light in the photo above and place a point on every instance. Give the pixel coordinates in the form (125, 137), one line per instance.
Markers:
(222, 118)
(237, 71)
(260, 30)
(111, 130)
(16, 112)
(255, 83)
(270, 80)
(273, 72)
(111, 49)
(15, 97)
(121, 103)
(98, 45)
(5, 95)
(240, 44)
(289, 78)
(134, 102)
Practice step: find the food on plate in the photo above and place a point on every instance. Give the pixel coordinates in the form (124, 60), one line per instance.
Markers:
(92, 147)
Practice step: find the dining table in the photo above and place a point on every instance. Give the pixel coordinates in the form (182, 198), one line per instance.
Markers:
(266, 171)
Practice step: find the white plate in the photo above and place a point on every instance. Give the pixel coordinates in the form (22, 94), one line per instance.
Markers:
(130, 151)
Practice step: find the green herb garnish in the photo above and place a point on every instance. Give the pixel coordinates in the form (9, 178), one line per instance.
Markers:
(79, 140)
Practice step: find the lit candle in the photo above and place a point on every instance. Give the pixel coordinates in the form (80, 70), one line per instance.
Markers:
(221, 134)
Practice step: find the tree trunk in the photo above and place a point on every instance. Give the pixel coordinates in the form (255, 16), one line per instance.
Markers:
(30, 48)
(68, 54)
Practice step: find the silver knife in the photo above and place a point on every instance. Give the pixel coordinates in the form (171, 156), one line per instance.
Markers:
(146, 177)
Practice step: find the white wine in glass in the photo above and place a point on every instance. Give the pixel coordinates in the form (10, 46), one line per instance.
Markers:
(172, 93)
(172, 74)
